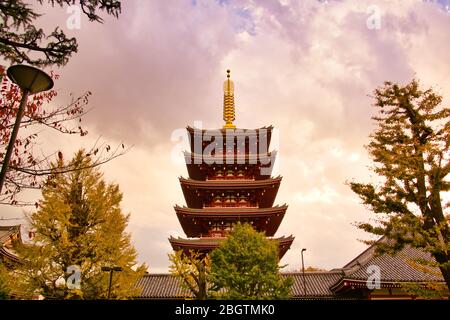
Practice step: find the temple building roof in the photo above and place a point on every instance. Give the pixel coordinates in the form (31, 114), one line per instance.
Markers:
(318, 284)
(9, 234)
(394, 268)
(166, 286)
(161, 286)
(348, 282)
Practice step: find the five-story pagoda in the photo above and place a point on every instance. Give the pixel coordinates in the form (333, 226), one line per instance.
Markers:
(229, 181)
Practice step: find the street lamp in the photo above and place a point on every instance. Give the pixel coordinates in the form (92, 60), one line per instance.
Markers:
(111, 270)
(303, 271)
(30, 80)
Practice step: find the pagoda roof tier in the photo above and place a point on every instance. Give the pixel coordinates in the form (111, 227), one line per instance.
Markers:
(199, 166)
(197, 222)
(209, 244)
(246, 135)
(198, 193)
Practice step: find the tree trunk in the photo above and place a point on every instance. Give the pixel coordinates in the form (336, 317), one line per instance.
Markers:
(443, 260)
(202, 283)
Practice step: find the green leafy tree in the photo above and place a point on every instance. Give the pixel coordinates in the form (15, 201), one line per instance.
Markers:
(4, 290)
(313, 269)
(245, 266)
(410, 149)
(429, 291)
(79, 222)
(192, 269)
(21, 41)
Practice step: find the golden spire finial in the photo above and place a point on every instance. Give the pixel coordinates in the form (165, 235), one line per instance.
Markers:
(228, 103)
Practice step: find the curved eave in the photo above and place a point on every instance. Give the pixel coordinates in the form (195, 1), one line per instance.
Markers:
(192, 189)
(238, 132)
(195, 221)
(284, 244)
(6, 232)
(230, 210)
(230, 184)
(196, 163)
(209, 244)
(203, 244)
(8, 255)
(346, 284)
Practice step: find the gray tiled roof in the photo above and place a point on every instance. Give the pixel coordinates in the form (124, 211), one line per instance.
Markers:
(166, 286)
(9, 254)
(401, 267)
(320, 285)
(161, 286)
(7, 231)
(317, 283)
(5, 236)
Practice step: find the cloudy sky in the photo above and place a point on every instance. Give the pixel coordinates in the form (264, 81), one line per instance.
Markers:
(306, 67)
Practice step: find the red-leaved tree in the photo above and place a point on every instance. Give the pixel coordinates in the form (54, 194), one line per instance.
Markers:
(29, 167)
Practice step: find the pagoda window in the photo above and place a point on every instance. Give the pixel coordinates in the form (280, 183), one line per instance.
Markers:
(219, 174)
(220, 229)
(215, 227)
(228, 227)
(216, 234)
(243, 204)
(216, 230)
(217, 202)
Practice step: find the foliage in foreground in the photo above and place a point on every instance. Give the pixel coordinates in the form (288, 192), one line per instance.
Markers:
(192, 269)
(245, 266)
(410, 149)
(79, 222)
(22, 40)
(4, 290)
(429, 291)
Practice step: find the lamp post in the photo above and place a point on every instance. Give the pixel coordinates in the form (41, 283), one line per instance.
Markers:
(303, 271)
(111, 270)
(30, 80)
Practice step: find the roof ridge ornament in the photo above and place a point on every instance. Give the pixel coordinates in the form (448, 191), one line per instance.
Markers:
(228, 103)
